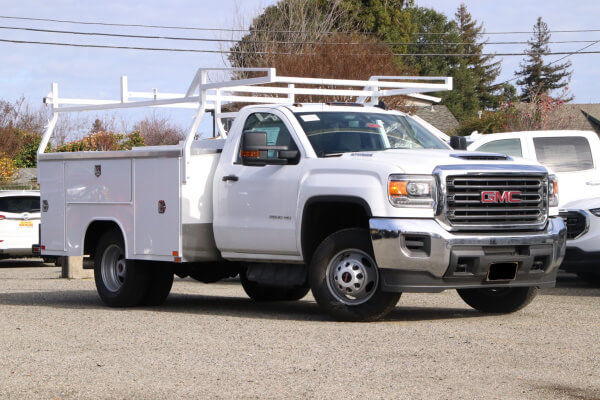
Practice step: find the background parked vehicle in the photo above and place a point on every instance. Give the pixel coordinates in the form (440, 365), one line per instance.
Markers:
(583, 239)
(19, 223)
(574, 156)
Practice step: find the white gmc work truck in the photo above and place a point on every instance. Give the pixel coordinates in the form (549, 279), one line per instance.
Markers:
(352, 201)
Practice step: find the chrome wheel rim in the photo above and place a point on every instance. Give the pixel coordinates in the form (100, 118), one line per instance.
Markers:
(352, 277)
(113, 268)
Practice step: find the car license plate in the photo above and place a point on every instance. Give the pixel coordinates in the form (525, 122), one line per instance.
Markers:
(26, 223)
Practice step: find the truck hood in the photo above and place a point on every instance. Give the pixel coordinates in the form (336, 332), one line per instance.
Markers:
(425, 161)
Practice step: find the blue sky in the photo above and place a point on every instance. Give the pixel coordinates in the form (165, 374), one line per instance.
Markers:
(27, 70)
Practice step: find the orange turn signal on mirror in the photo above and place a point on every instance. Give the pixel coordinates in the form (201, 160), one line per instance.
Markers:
(555, 187)
(397, 188)
(251, 154)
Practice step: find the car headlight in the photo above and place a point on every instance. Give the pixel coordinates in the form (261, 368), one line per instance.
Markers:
(552, 191)
(412, 190)
(595, 211)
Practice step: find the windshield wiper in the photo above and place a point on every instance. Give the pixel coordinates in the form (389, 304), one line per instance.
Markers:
(331, 155)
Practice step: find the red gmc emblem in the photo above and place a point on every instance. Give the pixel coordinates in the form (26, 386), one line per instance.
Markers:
(494, 196)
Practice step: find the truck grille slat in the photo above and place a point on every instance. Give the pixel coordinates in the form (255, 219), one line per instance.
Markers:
(510, 210)
(497, 201)
(461, 202)
(512, 187)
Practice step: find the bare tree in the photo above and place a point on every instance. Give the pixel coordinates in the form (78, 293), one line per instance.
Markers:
(286, 28)
(157, 130)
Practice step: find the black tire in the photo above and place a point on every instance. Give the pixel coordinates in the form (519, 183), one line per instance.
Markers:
(374, 307)
(159, 285)
(129, 289)
(258, 292)
(498, 301)
(592, 278)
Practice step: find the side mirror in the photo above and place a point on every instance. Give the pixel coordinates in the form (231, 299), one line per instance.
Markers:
(255, 151)
(458, 142)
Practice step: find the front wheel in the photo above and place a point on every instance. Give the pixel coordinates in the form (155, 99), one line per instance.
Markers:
(344, 278)
(498, 300)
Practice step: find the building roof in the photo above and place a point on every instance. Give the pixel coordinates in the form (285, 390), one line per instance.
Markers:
(438, 116)
(580, 117)
(591, 114)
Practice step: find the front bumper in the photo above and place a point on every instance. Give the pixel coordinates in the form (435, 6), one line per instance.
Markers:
(419, 255)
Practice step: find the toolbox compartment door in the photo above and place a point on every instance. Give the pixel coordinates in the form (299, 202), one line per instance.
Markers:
(52, 204)
(157, 207)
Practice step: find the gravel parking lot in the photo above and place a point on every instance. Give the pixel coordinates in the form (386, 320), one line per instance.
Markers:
(58, 341)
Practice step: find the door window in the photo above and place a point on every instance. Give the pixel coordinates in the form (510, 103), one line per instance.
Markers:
(564, 154)
(19, 204)
(277, 133)
(510, 147)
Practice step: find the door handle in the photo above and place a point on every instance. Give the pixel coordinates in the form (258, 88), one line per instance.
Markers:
(593, 183)
(232, 178)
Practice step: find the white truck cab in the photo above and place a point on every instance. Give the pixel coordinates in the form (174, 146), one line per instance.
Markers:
(350, 200)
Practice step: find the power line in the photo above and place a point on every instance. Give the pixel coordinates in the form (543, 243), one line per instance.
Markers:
(580, 51)
(147, 26)
(131, 47)
(260, 30)
(122, 35)
(271, 53)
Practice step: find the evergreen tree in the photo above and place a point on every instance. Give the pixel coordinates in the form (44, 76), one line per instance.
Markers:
(508, 93)
(463, 101)
(484, 68)
(537, 76)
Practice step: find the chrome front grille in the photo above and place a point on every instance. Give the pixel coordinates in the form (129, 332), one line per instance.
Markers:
(496, 201)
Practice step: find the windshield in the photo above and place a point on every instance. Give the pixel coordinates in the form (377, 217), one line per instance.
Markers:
(342, 132)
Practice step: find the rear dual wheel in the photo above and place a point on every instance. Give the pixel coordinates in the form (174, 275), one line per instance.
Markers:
(127, 283)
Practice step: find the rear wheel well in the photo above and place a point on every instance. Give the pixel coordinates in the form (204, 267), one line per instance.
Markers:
(95, 231)
(324, 216)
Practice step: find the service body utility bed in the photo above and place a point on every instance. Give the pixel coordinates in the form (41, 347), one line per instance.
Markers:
(356, 202)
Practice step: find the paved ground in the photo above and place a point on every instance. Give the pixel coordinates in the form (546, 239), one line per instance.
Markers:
(57, 341)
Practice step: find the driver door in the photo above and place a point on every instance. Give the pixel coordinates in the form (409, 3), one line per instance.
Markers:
(256, 206)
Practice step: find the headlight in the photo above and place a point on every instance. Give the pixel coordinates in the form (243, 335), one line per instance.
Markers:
(412, 190)
(553, 191)
(595, 211)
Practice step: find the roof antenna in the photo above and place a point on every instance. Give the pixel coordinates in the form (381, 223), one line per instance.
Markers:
(382, 105)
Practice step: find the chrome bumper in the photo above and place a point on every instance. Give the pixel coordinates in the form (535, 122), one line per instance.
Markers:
(420, 255)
